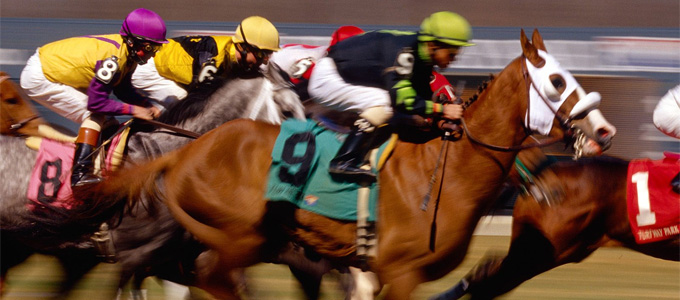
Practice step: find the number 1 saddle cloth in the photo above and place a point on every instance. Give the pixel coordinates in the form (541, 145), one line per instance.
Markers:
(653, 208)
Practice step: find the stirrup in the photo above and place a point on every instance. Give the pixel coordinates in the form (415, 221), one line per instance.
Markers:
(358, 174)
(86, 179)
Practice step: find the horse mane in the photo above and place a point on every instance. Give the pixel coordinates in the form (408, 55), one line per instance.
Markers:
(193, 104)
(481, 88)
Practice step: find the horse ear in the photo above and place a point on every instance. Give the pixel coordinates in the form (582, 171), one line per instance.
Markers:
(537, 39)
(275, 73)
(530, 52)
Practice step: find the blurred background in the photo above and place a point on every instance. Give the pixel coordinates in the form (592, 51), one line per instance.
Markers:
(628, 50)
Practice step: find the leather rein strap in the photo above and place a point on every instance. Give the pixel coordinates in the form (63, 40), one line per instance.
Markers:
(548, 142)
(181, 131)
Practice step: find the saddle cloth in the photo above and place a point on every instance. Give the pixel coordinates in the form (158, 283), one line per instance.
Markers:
(50, 183)
(653, 208)
(299, 172)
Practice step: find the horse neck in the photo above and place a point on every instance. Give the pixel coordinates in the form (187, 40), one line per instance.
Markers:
(233, 100)
(497, 117)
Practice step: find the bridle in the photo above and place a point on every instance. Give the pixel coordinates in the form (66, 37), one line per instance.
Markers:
(15, 124)
(564, 122)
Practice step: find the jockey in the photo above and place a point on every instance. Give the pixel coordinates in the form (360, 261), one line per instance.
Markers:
(187, 61)
(298, 60)
(373, 72)
(667, 119)
(74, 77)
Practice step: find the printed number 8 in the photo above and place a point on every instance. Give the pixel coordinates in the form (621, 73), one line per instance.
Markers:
(46, 181)
(106, 71)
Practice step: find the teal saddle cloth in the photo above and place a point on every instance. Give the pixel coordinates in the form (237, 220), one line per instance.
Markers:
(299, 172)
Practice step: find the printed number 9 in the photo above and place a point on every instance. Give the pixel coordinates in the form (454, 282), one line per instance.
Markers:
(405, 63)
(288, 156)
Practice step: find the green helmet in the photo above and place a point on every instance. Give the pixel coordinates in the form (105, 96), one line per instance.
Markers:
(446, 27)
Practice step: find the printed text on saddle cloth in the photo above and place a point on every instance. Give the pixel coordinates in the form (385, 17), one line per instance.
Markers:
(653, 208)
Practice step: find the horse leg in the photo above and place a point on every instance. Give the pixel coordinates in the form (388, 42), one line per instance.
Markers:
(76, 265)
(366, 284)
(310, 283)
(215, 277)
(401, 287)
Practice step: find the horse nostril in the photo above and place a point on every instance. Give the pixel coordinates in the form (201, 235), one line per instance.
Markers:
(603, 133)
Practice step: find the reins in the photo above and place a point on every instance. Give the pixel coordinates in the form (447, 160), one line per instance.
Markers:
(540, 144)
(444, 150)
(181, 131)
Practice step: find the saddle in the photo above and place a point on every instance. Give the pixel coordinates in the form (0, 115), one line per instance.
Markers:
(49, 189)
(299, 175)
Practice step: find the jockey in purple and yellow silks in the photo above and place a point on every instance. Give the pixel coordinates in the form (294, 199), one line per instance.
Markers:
(374, 72)
(75, 77)
(187, 61)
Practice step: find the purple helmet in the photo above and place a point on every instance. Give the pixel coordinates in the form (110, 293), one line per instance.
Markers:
(144, 24)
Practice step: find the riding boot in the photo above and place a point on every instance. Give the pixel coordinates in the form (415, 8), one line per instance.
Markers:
(352, 153)
(83, 164)
(675, 183)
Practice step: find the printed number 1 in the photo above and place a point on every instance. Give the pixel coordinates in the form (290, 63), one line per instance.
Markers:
(645, 215)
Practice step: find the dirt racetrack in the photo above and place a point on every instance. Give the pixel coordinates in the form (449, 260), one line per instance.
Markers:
(609, 274)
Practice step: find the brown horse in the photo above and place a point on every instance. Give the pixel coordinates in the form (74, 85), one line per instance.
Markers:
(582, 207)
(215, 186)
(17, 118)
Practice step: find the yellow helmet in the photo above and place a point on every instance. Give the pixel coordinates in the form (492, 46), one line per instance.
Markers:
(446, 27)
(259, 32)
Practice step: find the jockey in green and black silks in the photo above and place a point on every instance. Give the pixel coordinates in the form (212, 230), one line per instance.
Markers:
(375, 72)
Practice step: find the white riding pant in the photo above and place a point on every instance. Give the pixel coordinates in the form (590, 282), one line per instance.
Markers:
(329, 89)
(150, 84)
(65, 100)
(667, 113)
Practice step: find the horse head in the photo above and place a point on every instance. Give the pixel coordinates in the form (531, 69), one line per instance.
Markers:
(17, 115)
(555, 92)
(284, 96)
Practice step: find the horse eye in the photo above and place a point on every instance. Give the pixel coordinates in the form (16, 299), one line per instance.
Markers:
(12, 101)
(557, 81)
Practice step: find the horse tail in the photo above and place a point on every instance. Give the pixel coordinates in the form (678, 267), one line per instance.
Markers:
(123, 190)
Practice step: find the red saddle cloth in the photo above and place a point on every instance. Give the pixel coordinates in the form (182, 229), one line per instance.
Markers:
(653, 208)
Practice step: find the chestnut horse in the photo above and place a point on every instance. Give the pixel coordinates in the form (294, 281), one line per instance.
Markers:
(17, 118)
(144, 241)
(584, 213)
(215, 186)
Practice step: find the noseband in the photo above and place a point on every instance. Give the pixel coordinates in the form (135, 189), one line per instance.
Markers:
(564, 121)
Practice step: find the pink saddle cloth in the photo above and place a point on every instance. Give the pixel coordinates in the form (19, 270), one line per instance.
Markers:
(653, 207)
(50, 183)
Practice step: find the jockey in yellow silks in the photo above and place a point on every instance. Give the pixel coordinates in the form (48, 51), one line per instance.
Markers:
(75, 77)
(187, 61)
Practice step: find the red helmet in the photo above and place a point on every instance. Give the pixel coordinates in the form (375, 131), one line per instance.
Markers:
(344, 32)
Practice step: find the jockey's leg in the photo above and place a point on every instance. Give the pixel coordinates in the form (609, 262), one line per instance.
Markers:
(352, 153)
(86, 142)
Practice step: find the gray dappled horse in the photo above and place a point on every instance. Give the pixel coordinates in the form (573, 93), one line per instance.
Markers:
(148, 240)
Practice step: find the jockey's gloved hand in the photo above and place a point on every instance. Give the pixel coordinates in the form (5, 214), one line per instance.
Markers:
(207, 71)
